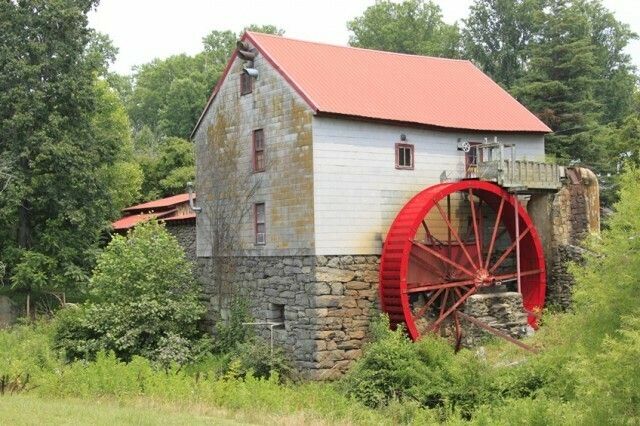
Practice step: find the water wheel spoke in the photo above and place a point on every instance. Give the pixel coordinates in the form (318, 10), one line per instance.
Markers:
(443, 258)
(509, 250)
(496, 332)
(474, 221)
(514, 276)
(455, 234)
(427, 305)
(419, 287)
(453, 307)
(494, 234)
(440, 268)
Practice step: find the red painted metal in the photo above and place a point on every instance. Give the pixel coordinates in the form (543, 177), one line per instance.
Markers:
(330, 80)
(446, 274)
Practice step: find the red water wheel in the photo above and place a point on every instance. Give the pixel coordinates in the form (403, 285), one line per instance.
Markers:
(451, 241)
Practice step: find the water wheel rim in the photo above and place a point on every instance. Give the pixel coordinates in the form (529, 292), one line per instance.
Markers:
(394, 265)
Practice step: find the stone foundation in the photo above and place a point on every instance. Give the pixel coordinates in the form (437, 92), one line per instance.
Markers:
(327, 303)
(500, 310)
(575, 215)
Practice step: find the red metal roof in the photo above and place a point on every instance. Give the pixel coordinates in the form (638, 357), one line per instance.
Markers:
(130, 221)
(176, 218)
(159, 204)
(396, 87)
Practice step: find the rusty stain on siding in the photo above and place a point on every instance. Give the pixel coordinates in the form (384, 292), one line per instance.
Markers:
(287, 183)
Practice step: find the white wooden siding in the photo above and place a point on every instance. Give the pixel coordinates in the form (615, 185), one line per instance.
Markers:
(357, 189)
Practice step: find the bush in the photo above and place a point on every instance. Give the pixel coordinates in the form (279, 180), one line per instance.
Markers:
(25, 353)
(229, 334)
(144, 301)
(427, 372)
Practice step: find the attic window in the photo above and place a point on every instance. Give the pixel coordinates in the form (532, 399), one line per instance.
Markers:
(246, 83)
(404, 156)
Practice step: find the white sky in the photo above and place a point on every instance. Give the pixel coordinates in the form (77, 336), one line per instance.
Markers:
(148, 29)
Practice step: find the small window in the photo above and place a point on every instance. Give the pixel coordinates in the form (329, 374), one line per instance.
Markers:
(246, 83)
(260, 222)
(404, 156)
(276, 314)
(258, 150)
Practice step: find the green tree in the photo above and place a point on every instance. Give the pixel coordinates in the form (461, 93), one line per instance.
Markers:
(610, 37)
(55, 207)
(167, 170)
(413, 26)
(560, 86)
(169, 95)
(110, 126)
(497, 35)
(144, 301)
(265, 29)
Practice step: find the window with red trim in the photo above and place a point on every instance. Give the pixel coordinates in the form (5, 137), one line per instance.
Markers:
(404, 156)
(246, 83)
(260, 223)
(258, 150)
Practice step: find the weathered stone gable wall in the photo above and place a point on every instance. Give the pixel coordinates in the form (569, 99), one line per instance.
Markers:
(329, 302)
(286, 185)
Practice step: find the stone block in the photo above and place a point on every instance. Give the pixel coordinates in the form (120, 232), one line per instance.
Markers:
(357, 285)
(326, 301)
(319, 288)
(328, 274)
(337, 288)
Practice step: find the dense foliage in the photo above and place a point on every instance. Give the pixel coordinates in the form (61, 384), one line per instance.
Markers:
(144, 301)
(61, 135)
(413, 26)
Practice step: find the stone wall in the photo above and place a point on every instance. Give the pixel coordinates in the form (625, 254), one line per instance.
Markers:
(327, 303)
(185, 233)
(575, 213)
(501, 310)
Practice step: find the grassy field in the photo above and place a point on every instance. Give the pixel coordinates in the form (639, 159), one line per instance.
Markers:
(25, 410)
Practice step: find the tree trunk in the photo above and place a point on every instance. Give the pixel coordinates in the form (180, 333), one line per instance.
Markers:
(24, 239)
(24, 225)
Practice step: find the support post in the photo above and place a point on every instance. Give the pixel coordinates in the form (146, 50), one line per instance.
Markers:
(517, 225)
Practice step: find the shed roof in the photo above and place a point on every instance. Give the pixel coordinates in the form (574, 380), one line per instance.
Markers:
(162, 203)
(371, 84)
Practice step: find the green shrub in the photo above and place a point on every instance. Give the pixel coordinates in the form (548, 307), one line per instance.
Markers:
(144, 301)
(25, 354)
(229, 334)
(427, 372)
(256, 357)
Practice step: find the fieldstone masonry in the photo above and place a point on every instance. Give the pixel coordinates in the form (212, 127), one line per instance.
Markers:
(575, 214)
(329, 302)
(501, 310)
(185, 233)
